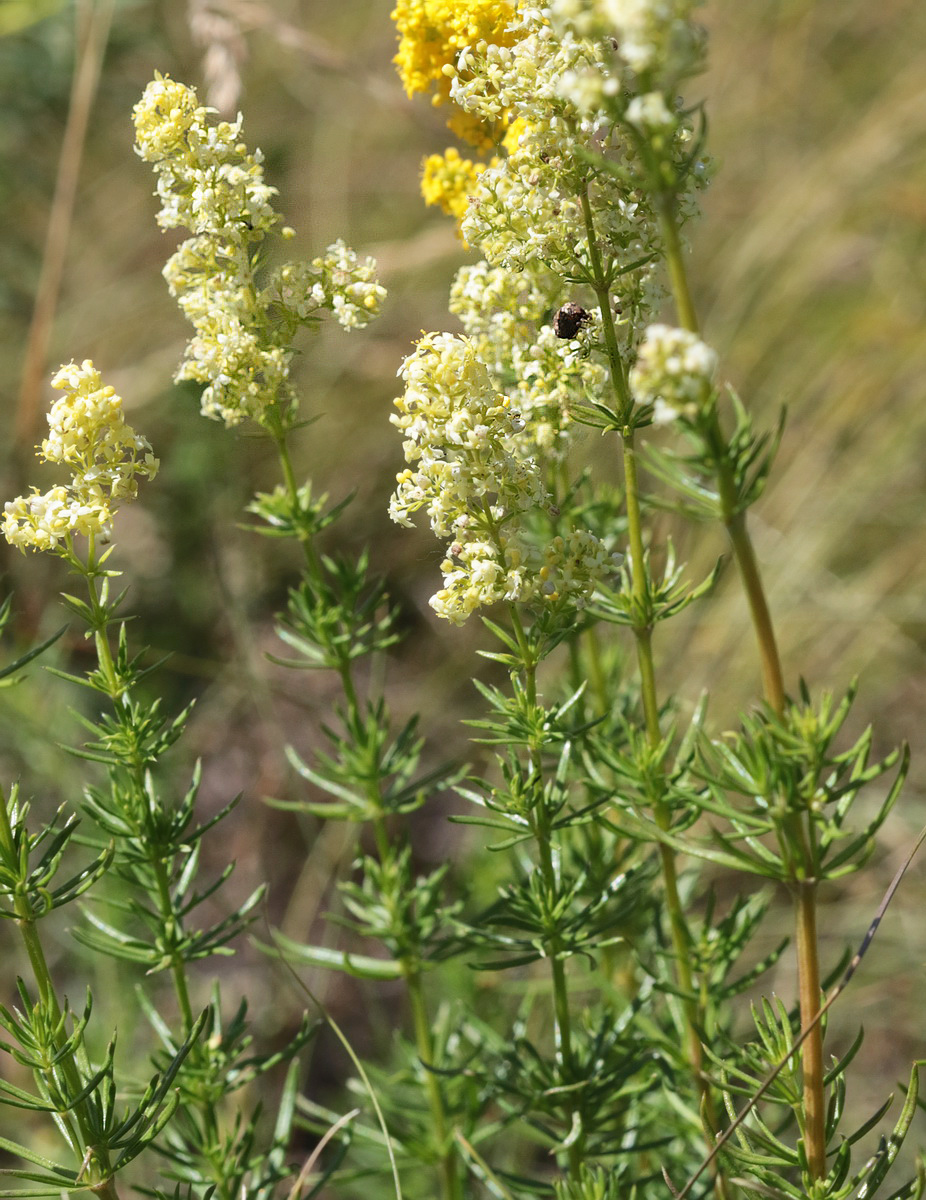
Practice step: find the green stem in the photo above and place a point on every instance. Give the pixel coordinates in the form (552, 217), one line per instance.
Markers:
(599, 283)
(743, 550)
(68, 1064)
(678, 925)
(675, 261)
(279, 431)
(543, 834)
(170, 921)
(99, 620)
(598, 679)
(169, 927)
(212, 1151)
(812, 1049)
(733, 518)
(451, 1183)
(773, 685)
(643, 635)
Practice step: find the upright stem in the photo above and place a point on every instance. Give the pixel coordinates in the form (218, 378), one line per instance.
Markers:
(744, 552)
(451, 1182)
(638, 568)
(26, 921)
(643, 634)
(734, 520)
(678, 926)
(562, 1016)
(812, 1049)
(773, 685)
(171, 922)
(675, 261)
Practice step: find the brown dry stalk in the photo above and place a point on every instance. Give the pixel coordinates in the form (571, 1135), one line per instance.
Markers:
(92, 20)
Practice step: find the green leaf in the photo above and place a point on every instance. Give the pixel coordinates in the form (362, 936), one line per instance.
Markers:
(359, 965)
(6, 672)
(66, 1174)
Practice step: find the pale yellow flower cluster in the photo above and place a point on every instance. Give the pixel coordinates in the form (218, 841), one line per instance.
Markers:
(87, 431)
(337, 280)
(507, 316)
(673, 372)
(478, 491)
(209, 183)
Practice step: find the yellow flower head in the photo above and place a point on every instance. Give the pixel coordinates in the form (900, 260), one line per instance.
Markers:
(431, 35)
(513, 134)
(432, 32)
(449, 180)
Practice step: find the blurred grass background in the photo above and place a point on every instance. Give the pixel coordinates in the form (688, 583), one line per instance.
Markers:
(809, 267)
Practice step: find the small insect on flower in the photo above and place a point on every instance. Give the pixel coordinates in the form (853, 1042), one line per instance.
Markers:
(568, 320)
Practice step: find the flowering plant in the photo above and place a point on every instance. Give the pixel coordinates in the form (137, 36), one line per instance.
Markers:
(573, 1016)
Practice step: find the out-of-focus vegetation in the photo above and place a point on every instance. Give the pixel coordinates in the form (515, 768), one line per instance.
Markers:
(809, 262)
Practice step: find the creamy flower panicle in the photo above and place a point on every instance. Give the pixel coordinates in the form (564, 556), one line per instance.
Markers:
(569, 94)
(580, 103)
(507, 316)
(457, 428)
(460, 437)
(558, 93)
(337, 280)
(673, 372)
(209, 183)
(657, 39)
(88, 432)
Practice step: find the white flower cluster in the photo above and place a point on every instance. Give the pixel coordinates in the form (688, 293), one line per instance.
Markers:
(476, 491)
(657, 39)
(338, 280)
(207, 181)
(87, 431)
(241, 358)
(540, 79)
(558, 91)
(210, 184)
(570, 88)
(673, 372)
(456, 429)
(507, 317)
